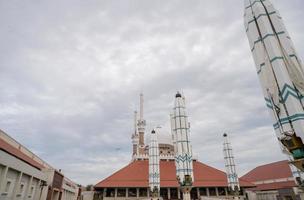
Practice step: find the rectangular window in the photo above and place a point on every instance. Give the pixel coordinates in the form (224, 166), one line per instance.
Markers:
(173, 193)
(203, 191)
(31, 192)
(164, 193)
(132, 192)
(212, 192)
(110, 192)
(143, 192)
(8, 186)
(221, 191)
(121, 192)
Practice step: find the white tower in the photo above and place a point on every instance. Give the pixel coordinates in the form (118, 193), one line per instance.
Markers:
(141, 126)
(135, 137)
(183, 157)
(281, 74)
(154, 175)
(232, 177)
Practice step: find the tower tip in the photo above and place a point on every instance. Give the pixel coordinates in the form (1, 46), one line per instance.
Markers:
(225, 135)
(153, 131)
(178, 95)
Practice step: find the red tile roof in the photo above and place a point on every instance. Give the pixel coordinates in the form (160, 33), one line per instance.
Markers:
(18, 154)
(274, 186)
(136, 175)
(276, 170)
(271, 171)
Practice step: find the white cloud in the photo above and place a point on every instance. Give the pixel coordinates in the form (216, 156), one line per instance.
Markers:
(73, 72)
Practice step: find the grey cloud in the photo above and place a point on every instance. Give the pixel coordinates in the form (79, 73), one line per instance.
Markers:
(72, 71)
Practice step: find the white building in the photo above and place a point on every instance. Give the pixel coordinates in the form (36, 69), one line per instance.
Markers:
(24, 176)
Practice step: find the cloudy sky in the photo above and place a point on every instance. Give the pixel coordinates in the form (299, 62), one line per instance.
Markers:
(71, 73)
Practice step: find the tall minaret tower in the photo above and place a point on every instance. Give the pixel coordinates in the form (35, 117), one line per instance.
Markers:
(183, 156)
(154, 175)
(135, 136)
(232, 177)
(281, 75)
(141, 126)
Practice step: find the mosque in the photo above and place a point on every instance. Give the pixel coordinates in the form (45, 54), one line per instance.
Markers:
(132, 181)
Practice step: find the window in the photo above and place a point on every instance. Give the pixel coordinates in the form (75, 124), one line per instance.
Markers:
(8, 190)
(21, 190)
(110, 192)
(212, 192)
(173, 193)
(31, 193)
(121, 192)
(8, 186)
(203, 191)
(143, 192)
(132, 192)
(193, 193)
(164, 193)
(221, 191)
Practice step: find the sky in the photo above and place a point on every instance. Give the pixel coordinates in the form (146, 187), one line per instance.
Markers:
(71, 72)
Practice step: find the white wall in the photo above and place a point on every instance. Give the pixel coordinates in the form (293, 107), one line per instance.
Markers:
(19, 180)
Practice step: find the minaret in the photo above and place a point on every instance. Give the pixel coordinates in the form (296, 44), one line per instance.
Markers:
(173, 136)
(232, 177)
(154, 173)
(183, 157)
(135, 137)
(281, 75)
(141, 126)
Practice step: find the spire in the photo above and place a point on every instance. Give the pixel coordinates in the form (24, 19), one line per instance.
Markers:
(135, 138)
(141, 126)
(232, 177)
(183, 157)
(154, 173)
(135, 123)
(141, 99)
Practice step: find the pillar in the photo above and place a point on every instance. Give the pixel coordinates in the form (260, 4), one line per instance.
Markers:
(17, 185)
(216, 192)
(198, 193)
(3, 179)
(104, 192)
(115, 193)
(207, 191)
(178, 193)
(226, 192)
(168, 191)
(28, 189)
(137, 193)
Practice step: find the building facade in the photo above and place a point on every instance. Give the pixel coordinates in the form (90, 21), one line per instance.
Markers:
(131, 182)
(274, 181)
(24, 176)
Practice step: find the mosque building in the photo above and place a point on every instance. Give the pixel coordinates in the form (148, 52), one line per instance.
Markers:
(132, 181)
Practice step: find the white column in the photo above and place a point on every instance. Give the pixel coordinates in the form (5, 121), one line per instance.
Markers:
(207, 192)
(168, 191)
(17, 185)
(28, 189)
(3, 178)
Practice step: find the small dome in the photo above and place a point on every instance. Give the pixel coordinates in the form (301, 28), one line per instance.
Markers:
(178, 95)
(153, 132)
(225, 135)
